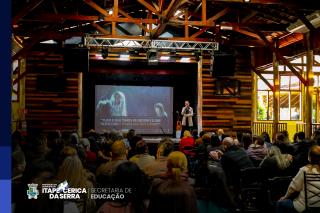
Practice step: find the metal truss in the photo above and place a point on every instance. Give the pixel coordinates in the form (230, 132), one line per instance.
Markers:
(150, 44)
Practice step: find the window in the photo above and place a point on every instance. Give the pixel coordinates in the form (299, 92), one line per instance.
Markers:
(290, 96)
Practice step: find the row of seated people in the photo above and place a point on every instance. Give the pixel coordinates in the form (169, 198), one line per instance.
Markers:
(160, 181)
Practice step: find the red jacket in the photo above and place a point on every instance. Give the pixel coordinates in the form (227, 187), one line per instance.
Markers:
(187, 146)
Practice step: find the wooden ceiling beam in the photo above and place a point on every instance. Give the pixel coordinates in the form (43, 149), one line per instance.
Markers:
(27, 9)
(97, 8)
(149, 7)
(282, 58)
(211, 21)
(168, 13)
(204, 11)
(290, 39)
(128, 16)
(262, 78)
(100, 29)
(61, 17)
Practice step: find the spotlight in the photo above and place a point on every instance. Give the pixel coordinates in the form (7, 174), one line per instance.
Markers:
(104, 53)
(152, 57)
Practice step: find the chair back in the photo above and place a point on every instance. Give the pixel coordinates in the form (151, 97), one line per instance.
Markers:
(312, 192)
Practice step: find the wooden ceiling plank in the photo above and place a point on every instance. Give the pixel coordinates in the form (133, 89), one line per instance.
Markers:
(248, 17)
(27, 9)
(115, 15)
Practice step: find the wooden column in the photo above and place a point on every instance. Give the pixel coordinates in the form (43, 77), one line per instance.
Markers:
(199, 85)
(309, 86)
(254, 96)
(115, 15)
(80, 100)
(276, 91)
(204, 11)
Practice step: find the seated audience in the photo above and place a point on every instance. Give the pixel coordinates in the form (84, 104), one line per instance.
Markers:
(128, 175)
(287, 203)
(142, 158)
(266, 139)
(280, 141)
(187, 144)
(118, 156)
(246, 140)
(73, 172)
(159, 166)
(276, 164)
(173, 193)
(257, 151)
(233, 160)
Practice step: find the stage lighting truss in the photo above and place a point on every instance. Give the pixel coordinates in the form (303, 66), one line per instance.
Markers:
(150, 44)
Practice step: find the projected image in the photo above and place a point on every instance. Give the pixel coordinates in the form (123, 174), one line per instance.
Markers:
(146, 109)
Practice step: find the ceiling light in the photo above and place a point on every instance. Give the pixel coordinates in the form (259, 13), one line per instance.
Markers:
(164, 58)
(125, 57)
(185, 59)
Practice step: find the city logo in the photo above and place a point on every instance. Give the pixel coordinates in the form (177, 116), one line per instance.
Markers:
(62, 186)
(32, 192)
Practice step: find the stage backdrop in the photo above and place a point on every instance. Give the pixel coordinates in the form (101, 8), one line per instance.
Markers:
(147, 109)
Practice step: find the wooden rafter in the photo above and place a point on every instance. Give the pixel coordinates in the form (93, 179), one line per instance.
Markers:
(97, 8)
(282, 58)
(168, 13)
(100, 29)
(290, 39)
(249, 16)
(115, 15)
(54, 18)
(32, 5)
(210, 21)
(149, 7)
(128, 16)
(204, 11)
(262, 78)
(236, 28)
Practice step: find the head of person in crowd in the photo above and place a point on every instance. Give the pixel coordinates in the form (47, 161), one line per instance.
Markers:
(314, 156)
(72, 170)
(206, 139)
(286, 136)
(246, 140)
(279, 137)
(283, 160)
(214, 141)
(220, 132)
(118, 150)
(129, 175)
(301, 136)
(142, 147)
(177, 164)
(186, 134)
(266, 137)
(166, 146)
(227, 143)
(68, 151)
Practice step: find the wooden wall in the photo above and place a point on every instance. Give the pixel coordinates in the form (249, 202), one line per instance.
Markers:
(229, 113)
(50, 110)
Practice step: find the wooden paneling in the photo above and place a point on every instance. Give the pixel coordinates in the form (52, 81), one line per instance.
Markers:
(229, 113)
(50, 110)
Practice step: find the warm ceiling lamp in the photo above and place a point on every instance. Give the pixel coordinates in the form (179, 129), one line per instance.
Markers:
(247, 1)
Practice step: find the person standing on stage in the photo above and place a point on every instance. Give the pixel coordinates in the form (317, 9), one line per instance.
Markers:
(187, 113)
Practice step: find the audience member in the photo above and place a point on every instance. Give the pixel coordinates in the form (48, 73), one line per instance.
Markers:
(128, 175)
(142, 158)
(276, 164)
(173, 193)
(287, 203)
(73, 172)
(118, 155)
(187, 144)
(257, 150)
(159, 166)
